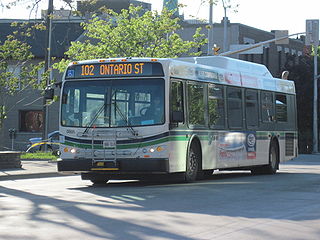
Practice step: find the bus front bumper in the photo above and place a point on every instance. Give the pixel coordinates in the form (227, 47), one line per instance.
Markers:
(125, 165)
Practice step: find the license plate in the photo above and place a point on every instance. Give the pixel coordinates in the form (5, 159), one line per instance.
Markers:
(109, 144)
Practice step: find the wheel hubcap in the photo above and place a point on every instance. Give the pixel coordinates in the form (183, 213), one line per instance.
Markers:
(193, 163)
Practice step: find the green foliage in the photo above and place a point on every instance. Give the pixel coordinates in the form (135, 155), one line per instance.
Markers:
(38, 156)
(132, 33)
(302, 75)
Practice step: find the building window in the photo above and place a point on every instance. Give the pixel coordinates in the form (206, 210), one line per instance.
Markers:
(15, 71)
(40, 73)
(31, 121)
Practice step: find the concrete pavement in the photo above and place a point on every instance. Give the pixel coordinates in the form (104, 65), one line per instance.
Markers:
(31, 169)
(45, 168)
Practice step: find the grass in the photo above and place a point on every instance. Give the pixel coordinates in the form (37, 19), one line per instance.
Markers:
(39, 156)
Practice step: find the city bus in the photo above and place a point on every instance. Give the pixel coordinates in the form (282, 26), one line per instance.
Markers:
(130, 118)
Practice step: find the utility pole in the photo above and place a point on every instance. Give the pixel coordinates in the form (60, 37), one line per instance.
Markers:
(315, 101)
(312, 38)
(47, 66)
(225, 27)
(210, 30)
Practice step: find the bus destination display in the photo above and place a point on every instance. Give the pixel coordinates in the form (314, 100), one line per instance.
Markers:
(114, 69)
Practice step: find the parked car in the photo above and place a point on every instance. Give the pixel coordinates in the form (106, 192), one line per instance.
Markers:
(37, 144)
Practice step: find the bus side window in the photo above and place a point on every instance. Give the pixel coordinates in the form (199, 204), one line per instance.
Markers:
(291, 112)
(234, 100)
(176, 105)
(216, 106)
(281, 108)
(252, 112)
(267, 109)
(196, 104)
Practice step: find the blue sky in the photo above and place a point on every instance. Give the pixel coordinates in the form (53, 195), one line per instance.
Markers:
(263, 14)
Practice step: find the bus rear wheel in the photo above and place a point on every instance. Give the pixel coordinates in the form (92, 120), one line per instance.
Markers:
(192, 165)
(273, 160)
(273, 164)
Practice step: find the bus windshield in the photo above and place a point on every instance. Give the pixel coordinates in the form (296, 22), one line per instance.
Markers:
(113, 103)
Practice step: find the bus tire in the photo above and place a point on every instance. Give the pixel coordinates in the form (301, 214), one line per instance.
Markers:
(99, 181)
(204, 174)
(273, 164)
(96, 179)
(192, 166)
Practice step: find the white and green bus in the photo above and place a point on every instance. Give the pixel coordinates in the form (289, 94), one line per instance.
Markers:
(129, 118)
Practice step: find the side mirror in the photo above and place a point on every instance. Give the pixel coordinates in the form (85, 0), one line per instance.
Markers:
(58, 84)
(177, 116)
(49, 93)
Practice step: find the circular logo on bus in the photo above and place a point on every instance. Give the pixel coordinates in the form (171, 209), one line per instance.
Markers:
(251, 140)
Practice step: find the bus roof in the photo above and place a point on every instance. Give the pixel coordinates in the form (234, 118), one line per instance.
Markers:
(231, 64)
(225, 70)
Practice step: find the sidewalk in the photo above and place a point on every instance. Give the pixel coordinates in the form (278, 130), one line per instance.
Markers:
(31, 169)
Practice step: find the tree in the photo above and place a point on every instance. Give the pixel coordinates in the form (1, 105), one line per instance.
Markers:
(302, 74)
(132, 33)
(17, 73)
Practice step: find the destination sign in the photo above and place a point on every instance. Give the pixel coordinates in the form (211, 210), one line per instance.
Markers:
(114, 69)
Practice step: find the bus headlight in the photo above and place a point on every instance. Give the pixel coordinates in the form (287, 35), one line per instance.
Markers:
(71, 150)
(153, 149)
(156, 149)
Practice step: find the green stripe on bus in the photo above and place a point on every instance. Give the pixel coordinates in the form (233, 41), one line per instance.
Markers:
(122, 146)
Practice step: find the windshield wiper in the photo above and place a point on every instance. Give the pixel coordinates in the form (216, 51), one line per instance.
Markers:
(134, 133)
(94, 118)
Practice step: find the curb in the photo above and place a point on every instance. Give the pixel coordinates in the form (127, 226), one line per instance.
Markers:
(30, 176)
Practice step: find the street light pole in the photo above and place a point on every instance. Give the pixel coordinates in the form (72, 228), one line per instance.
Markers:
(225, 27)
(315, 101)
(47, 66)
(210, 30)
(312, 38)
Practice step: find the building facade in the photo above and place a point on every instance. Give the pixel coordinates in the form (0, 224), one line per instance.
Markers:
(273, 56)
(25, 109)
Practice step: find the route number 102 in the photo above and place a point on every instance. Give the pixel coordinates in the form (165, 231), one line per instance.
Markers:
(87, 70)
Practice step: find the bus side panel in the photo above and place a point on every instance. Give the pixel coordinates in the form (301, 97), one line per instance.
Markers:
(287, 146)
(263, 142)
(282, 147)
(209, 152)
(178, 153)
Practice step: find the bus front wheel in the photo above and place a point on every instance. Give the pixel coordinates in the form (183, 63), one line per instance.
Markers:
(192, 167)
(99, 181)
(96, 179)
